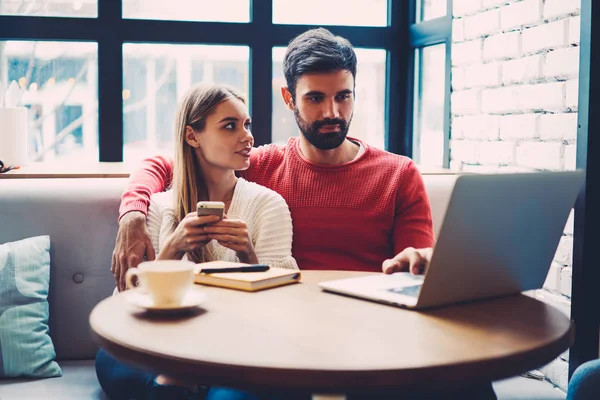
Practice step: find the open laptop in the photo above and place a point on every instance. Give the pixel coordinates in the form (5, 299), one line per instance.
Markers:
(498, 238)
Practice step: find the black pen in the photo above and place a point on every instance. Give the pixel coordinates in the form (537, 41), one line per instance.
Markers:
(248, 268)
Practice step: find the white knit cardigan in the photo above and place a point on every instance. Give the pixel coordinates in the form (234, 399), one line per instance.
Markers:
(265, 212)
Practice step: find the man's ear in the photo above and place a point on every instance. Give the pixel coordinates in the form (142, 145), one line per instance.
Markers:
(191, 137)
(287, 98)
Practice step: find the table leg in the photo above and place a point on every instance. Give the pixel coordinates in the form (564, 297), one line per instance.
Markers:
(328, 397)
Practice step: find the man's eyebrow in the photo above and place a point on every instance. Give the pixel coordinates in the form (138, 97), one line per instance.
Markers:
(314, 93)
(228, 119)
(317, 93)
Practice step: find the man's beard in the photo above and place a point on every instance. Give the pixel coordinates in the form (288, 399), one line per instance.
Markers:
(323, 141)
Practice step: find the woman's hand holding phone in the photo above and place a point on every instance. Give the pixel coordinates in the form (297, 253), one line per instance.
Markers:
(233, 234)
(189, 235)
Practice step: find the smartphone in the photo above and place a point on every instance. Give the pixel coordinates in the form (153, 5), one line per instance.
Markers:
(211, 208)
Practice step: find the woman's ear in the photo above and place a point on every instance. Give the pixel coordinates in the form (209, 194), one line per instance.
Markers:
(191, 137)
(287, 98)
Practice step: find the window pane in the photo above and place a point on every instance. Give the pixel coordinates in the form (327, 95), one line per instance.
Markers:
(431, 9)
(50, 8)
(369, 107)
(156, 76)
(188, 10)
(59, 82)
(429, 108)
(331, 12)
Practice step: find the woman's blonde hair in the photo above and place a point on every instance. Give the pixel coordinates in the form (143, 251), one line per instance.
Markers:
(188, 183)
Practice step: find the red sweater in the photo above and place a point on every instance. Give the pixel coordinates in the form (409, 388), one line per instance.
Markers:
(350, 216)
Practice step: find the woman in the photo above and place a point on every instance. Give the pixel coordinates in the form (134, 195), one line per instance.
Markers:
(212, 141)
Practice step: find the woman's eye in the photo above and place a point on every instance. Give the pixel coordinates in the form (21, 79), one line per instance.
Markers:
(230, 126)
(248, 125)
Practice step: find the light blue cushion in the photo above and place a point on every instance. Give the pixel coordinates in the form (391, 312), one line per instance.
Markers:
(25, 346)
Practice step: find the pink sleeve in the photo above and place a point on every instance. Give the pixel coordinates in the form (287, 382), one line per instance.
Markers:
(413, 224)
(155, 175)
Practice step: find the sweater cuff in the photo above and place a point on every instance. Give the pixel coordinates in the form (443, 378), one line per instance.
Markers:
(138, 205)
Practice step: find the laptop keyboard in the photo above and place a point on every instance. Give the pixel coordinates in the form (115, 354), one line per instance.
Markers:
(412, 291)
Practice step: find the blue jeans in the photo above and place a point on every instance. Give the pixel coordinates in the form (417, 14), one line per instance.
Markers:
(585, 382)
(124, 382)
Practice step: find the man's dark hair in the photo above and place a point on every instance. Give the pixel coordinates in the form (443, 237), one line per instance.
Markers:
(317, 50)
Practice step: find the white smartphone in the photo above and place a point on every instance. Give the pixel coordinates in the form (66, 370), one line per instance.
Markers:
(211, 208)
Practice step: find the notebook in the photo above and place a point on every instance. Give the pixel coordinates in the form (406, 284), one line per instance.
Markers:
(246, 281)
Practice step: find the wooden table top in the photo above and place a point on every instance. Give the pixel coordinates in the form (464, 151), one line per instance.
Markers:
(301, 337)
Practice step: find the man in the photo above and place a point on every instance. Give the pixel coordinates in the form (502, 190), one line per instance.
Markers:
(353, 207)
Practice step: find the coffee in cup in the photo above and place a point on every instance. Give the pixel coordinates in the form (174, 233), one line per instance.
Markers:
(166, 281)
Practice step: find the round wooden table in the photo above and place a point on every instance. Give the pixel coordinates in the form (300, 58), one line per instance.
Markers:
(299, 337)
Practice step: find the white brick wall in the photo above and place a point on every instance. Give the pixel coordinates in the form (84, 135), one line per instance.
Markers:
(464, 150)
(458, 30)
(560, 8)
(482, 24)
(519, 126)
(514, 103)
(572, 96)
(498, 100)
(483, 75)
(563, 63)
(543, 96)
(490, 3)
(558, 126)
(523, 13)
(564, 251)
(570, 158)
(545, 36)
(540, 155)
(566, 278)
(467, 52)
(466, 102)
(574, 30)
(458, 78)
(522, 70)
(476, 127)
(496, 152)
(464, 7)
(502, 46)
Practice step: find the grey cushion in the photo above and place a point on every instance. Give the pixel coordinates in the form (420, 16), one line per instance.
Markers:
(78, 382)
(81, 218)
(520, 388)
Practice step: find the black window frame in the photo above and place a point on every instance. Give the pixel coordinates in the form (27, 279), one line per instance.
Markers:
(423, 34)
(585, 296)
(110, 31)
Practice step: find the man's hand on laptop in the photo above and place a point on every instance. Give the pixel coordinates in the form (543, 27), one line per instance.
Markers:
(409, 260)
(132, 244)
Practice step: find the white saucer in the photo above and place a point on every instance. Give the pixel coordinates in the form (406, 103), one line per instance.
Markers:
(141, 299)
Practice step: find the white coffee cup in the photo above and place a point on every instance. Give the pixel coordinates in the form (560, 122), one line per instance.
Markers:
(166, 281)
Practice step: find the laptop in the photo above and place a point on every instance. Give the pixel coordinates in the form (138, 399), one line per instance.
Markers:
(498, 238)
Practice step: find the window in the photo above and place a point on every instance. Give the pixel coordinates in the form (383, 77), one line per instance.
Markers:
(112, 97)
(430, 91)
(188, 10)
(58, 82)
(431, 9)
(431, 40)
(156, 76)
(369, 110)
(46, 8)
(331, 12)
